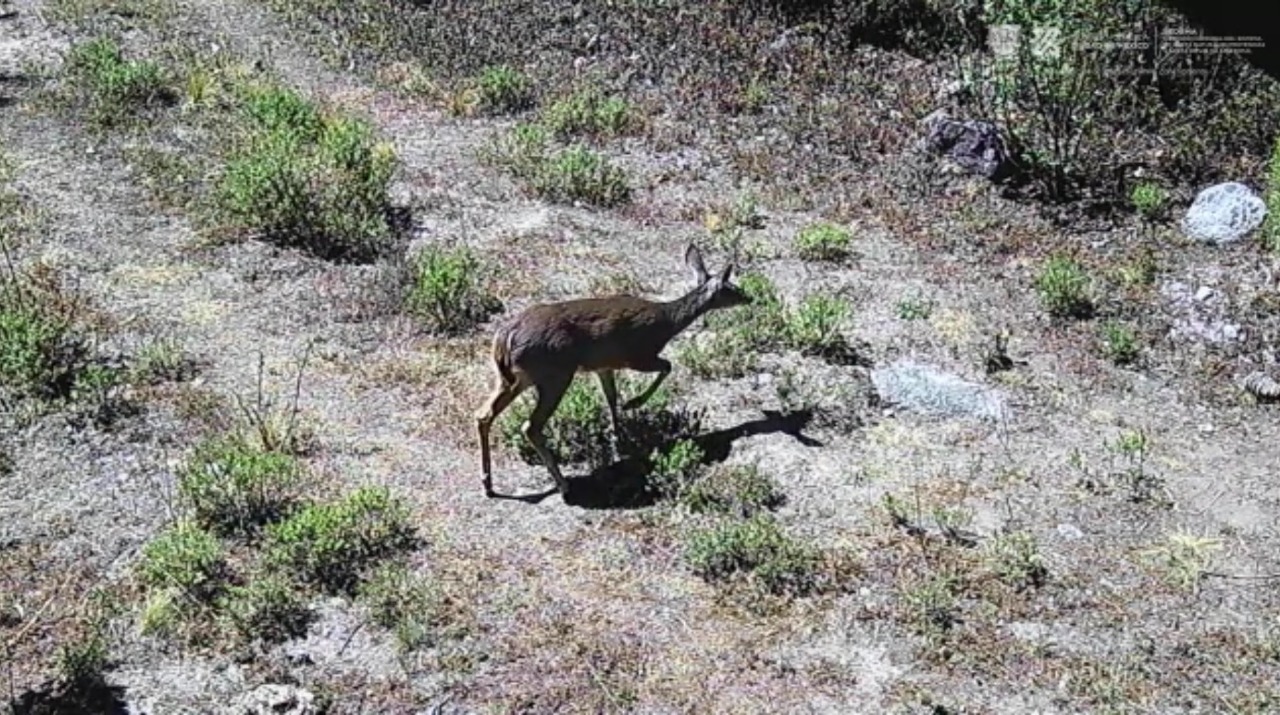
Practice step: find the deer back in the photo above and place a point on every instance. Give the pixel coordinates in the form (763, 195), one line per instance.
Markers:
(588, 334)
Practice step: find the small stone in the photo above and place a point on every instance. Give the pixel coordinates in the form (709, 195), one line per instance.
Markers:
(1205, 293)
(1070, 532)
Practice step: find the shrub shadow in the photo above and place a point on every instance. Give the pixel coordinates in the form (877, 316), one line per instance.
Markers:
(624, 484)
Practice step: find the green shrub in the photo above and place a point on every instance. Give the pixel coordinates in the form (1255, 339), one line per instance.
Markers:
(931, 605)
(1271, 224)
(304, 178)
(1065, 288)
(268, 608)
(736, 490)
(579, 432)
(41, 352)
(564, 175)
(117, 89)
(914, 307)
(590, 112)
(675, 469)
(405, 603)
(1015, 559)
(330, 545)
(581, 174)
(755, 549)
(83, 661)
(1149, 200)
(1119, 342)
(233, 487)
(814, 327)
(184, 557)
(1054, 92)
(449, 291)
(823, 242)
(503, 90)
(523, 151)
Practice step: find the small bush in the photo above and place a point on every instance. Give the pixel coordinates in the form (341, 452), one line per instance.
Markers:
(1015, 559)
(674, 469)
(117, 88)
(823, 242)
(330, 545)
(757, 550)
(1149, 200)
(581, 174)
(186, 558)
(41, 351)
(308, 179)
(588, 112)
(406, 604)
(523, 151)
(578, 432)
(565, 175)
(1271, 224)
(449, 290)
(914, 308)
(1119, 342)
(738, 490)
(235, 488)
(161, 360)
(82, 661)
(1065, 288)
(269, 608)
(814, 327)
(931, 605)
(502, 89)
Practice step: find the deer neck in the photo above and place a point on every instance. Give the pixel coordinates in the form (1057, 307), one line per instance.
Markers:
(687, 308)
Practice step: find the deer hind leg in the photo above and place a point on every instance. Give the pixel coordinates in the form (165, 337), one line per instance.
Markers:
(501, 398)
(609, 386)
(550, 390)
(658, 365)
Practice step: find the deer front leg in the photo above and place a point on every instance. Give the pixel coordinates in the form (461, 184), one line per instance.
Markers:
(609, 386)
(658, 365)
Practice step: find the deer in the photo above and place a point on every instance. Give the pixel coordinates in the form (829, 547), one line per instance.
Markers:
(546, 345)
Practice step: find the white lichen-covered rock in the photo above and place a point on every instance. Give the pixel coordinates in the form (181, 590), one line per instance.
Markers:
(1224, 213)
(926, 389)
(274, 699)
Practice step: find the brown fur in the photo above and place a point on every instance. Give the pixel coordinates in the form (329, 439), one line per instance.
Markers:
(546, 345)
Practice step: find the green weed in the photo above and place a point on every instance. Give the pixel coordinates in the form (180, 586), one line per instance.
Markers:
(117, 90)
(234, 487)
(1065, 288)
(449, 291)
(330, 545)
(304, 178)
(823, 242)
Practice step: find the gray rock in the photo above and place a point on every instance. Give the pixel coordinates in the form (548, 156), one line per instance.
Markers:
(974, 145)
(926, 389)
(1223, 213)
(273, 699)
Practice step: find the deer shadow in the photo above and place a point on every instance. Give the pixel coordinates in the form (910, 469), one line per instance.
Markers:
(90, 697)
(624, 484)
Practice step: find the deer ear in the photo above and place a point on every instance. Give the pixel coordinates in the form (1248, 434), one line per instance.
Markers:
(693, 259)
